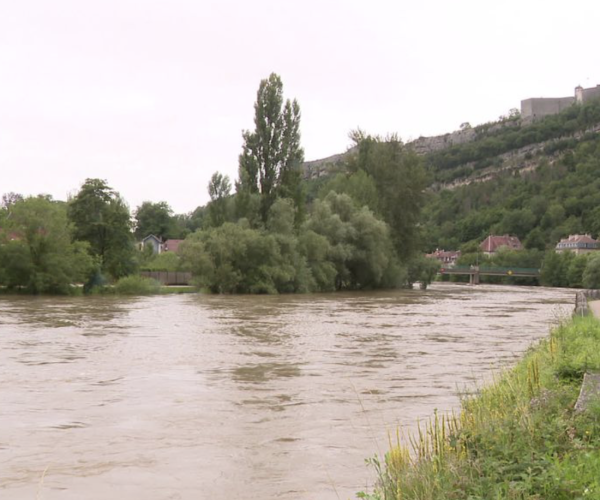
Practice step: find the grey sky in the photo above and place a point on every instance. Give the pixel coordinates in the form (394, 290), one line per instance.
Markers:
(153, 95)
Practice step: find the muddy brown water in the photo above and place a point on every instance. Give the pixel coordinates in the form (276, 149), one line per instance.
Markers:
(253, 397)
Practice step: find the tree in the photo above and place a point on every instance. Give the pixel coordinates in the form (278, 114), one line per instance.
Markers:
(422, 269)
(401, 180)
(219, 208)
(101, 218)
(360, 187)
(271, 155)
(591, 275)
(555, 268)
(156, 219)
(233, 258)
(360, 246)
(37, 252)
(9, 199)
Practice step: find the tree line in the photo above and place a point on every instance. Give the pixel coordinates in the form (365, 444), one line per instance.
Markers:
(359, 231)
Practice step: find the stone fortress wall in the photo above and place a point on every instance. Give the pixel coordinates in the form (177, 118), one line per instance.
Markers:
(538, 107)
(531, 109)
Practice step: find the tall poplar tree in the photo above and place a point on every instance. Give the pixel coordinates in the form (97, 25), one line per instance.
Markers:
(272, 157)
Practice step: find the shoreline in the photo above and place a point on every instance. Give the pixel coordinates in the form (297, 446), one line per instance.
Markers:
(521, 436)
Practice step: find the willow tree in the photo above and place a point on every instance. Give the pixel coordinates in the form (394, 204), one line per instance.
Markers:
(272, 157)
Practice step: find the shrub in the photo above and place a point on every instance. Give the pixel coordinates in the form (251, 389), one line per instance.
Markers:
(136, 285)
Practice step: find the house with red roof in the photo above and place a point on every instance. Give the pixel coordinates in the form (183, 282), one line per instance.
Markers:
(578, 244)
(171, 245)
(160, 246)
(493, 243)
(447, 258)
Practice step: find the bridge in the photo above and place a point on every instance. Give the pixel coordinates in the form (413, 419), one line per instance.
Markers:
(475, 272)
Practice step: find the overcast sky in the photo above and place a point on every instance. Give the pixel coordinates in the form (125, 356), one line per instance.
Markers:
(153, 95)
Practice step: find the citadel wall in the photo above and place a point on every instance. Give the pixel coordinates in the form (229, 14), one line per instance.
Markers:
(538, 107)
(583, 95)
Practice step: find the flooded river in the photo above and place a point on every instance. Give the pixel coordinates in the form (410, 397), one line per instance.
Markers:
(198, 397)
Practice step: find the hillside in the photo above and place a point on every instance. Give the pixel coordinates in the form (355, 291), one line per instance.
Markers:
(538, 180)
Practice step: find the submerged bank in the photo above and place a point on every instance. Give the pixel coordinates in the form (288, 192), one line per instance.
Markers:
(519, 438)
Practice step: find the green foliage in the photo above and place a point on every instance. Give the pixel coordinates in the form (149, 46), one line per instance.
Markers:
(423, 270)
(495, 139)
(220, 208)
(156, 219)
(136, 285)
(577, 347)
(360, 186)
(340, 247)
(540, 206)
(102, 219)
(518, 438)
(272, 156)
(316, 249)
(165, 261)
(237, 259)
(569, 270)
(361, 246)
(400, 179)
(591, 275)
(37, 253)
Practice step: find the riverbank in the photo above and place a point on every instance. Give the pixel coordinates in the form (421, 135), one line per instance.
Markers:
(519, 438)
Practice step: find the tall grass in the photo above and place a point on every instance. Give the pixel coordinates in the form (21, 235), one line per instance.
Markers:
(518, 438)
(136, 285)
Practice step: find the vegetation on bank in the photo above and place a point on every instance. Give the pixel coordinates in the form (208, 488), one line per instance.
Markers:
(519, 438)
(366, 225)
(554, 197)
(360, 232)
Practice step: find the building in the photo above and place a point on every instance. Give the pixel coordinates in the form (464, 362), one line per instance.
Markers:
(538, 107)
(159, 246)
(152, 241)
(492, 244)
(447, 258)
(578, 244)
(171, 245)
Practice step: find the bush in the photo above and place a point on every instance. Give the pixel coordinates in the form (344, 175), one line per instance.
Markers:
(136, 285)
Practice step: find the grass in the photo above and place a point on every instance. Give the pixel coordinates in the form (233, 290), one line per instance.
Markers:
(518, 438)
(138, 285)
(165, 290)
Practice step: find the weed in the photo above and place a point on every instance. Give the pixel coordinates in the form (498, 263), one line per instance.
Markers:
(518, 438)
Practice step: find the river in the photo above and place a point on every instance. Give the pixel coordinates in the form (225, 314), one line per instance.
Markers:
(194, 397)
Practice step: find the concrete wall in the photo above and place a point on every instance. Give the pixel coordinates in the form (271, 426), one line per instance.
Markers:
(538, 107)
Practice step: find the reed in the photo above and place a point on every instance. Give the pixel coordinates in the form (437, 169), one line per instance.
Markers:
(517, 438)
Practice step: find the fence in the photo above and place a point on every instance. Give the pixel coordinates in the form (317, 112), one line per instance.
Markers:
(169, 277)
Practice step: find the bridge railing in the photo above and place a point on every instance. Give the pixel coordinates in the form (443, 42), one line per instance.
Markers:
(489, 269)
(519, 270)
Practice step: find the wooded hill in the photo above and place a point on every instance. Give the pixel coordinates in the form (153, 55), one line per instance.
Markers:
(539, 181)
